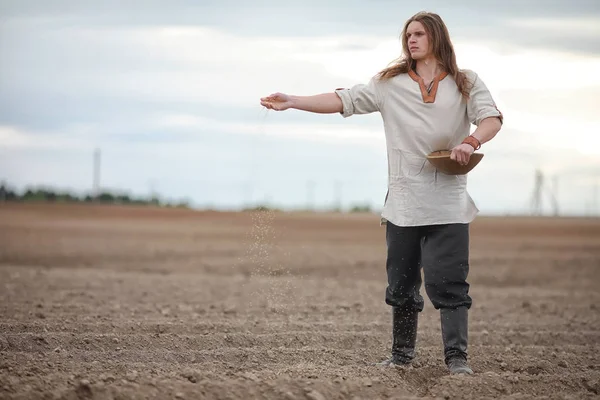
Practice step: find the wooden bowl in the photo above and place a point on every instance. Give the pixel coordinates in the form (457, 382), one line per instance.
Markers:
(441, 160)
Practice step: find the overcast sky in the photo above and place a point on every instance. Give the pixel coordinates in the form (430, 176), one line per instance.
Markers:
(170, 92)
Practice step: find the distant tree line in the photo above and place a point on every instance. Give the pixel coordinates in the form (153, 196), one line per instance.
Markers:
(51, 195)
(46, 194)
(357, 208)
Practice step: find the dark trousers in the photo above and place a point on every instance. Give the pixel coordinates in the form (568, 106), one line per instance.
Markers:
(442, 251)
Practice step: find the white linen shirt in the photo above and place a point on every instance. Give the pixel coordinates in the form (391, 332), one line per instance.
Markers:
(416, 123)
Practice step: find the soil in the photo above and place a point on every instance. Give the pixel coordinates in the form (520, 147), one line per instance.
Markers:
(116, 302)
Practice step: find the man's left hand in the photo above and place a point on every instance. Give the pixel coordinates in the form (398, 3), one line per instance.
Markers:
(462, 153)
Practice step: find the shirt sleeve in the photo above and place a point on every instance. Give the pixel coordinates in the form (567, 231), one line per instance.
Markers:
(481, 104)
(361, 98)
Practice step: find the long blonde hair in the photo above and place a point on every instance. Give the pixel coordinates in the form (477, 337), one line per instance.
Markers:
(443, 51)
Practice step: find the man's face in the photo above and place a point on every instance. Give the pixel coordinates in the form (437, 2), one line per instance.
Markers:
(418, 42)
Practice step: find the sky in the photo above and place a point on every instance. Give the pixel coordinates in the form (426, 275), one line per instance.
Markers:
(169, 92)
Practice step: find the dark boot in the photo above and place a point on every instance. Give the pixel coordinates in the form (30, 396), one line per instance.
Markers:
(455, 337)
(404, 336)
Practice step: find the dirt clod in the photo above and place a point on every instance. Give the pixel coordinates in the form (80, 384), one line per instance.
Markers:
(84, 389)
(314, 395)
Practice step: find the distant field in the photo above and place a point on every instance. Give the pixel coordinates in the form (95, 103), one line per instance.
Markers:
(111, 302)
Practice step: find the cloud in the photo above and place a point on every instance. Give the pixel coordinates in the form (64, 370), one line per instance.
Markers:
(467, 19)
(587, 26)
(166, 64)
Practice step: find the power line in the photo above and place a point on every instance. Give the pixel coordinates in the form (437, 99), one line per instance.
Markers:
(540, 188)
(96, 173)
(337, 195)
(310, 195)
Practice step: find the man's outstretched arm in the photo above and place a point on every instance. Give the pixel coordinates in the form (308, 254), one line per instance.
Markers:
(325, 103)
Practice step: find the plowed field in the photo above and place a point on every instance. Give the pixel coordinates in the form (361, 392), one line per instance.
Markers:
(110, 302)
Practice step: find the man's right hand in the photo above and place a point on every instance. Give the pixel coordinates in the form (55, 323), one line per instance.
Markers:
(277, 101)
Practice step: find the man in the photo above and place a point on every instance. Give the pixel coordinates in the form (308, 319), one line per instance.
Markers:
(427, 104)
